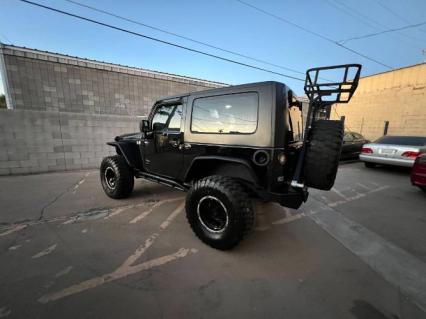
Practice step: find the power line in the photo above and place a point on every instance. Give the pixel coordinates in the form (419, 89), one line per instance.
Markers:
(181, 36)
(159, 40)
(385, 31)
(369, 21)
(396, 14)
(314, 33)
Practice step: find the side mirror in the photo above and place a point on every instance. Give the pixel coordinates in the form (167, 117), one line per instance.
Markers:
(144, 126)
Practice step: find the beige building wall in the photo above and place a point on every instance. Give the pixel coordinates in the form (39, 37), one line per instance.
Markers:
(397, 96)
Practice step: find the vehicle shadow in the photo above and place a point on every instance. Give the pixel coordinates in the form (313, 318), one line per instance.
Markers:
(392, 169)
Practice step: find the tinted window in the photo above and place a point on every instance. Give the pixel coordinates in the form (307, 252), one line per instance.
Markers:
(348, 137)
(161, 116)
(403, 140)
(232, 114)
(358, 136)
(174, 124)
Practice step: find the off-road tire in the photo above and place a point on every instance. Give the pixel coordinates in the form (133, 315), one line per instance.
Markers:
(235, 200)
(369, 165)
(323, 154)
(124, 179)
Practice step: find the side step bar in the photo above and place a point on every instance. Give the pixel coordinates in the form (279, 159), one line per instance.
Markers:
(162, 180)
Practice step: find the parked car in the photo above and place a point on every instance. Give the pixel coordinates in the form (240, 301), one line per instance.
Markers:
(418, 173)
(393, 150)
(352, 145)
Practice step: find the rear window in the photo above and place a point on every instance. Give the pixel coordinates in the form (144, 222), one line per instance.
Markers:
(225, 114)
(403, 140)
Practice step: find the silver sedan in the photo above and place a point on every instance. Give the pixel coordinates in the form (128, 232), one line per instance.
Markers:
(393, 150)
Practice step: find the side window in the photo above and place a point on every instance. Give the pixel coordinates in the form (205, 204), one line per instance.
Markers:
(225, 114)
(348, 137)
(175, 121)
(162, 114)
(358, 136)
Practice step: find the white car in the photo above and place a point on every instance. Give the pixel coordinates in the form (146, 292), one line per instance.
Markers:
(393, 150)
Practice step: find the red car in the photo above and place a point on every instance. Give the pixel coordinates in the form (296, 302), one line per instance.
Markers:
(418, 173)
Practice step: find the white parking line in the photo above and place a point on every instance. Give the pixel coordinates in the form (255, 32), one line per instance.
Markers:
(172, 216)
(149, 211)
(397, 266)
(117, 274)
(339, 193)
(13, 229)
(63, 272)
(127, 268)
(358, 196)
(45, 252)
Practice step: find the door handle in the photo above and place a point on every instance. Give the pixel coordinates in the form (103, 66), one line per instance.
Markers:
(184, 146)
(174, 143)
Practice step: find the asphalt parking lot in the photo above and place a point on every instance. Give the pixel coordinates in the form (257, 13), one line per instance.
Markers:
(68, 251)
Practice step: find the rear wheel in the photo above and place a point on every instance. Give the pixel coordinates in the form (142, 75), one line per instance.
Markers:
(116, 177)
(369, 165)
(323, 153)
(219, 211)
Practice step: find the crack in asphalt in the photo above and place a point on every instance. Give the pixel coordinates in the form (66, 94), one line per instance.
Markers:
(55, 199)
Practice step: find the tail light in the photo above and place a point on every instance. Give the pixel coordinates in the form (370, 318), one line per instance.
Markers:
(410, 154)
(366, 150)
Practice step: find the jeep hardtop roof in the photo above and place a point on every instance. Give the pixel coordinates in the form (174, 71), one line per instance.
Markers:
(227, 89)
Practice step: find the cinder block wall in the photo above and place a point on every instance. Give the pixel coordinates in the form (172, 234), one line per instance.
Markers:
(45, 81)
(35, 142)
(398, 97)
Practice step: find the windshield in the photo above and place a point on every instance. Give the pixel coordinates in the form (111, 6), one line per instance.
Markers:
(403, 140)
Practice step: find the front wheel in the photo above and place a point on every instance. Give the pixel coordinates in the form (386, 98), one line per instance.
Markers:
(116, 177)
(219, 211)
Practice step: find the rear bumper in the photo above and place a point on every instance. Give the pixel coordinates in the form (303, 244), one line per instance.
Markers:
(387, 160)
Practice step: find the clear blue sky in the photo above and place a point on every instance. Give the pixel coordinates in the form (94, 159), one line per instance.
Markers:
(228, 24)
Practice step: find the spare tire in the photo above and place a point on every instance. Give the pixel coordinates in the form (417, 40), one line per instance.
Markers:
(323, 154)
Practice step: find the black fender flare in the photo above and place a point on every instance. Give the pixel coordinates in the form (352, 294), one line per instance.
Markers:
(237, 167)
(130, 151)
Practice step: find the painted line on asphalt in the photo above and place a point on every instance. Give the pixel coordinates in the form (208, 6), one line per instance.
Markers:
(45, 252)
(139, 251)
(172, 216)
(16, 247)
(63, 272)
(127, 268)
(394, 264)
(150, 210)
(118, 274)
(358, 196)
(288, 219)
(339, 193)
(13, 229)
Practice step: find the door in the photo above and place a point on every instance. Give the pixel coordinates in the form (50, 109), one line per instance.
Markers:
(348, 146)
(162, 154)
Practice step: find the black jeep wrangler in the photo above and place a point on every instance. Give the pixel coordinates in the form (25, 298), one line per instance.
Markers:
(229, 145)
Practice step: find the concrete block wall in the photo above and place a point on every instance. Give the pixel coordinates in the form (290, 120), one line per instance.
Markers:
(397, 96)
(45, 81)
(36, 142)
